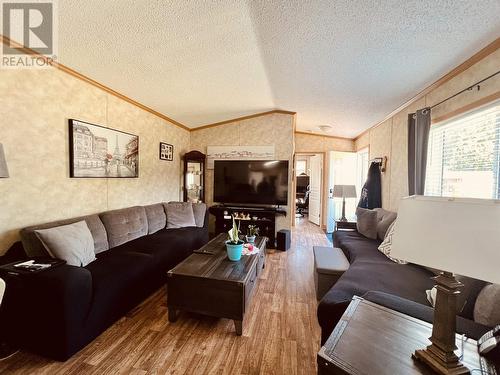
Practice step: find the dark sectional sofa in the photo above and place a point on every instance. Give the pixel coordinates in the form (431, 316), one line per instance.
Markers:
(57, 312)
(400, 287)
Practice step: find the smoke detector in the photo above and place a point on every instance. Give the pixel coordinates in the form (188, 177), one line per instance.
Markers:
(325, 128)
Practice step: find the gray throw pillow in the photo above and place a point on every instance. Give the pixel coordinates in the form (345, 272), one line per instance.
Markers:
(467, 297)
(199, 210)
(487, 307)
(180, 214)
(157, 219)
(73, 243)
(385, 219)
(367, 222)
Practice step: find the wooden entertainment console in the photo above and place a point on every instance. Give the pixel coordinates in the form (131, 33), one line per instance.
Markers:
(263, 218)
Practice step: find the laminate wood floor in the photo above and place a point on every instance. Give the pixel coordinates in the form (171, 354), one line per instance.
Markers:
(280, 333)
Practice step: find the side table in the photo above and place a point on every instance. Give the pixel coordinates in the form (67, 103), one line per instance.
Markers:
(345, 225)
(372, 339)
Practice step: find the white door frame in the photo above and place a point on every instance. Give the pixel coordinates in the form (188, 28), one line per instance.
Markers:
(322, 187)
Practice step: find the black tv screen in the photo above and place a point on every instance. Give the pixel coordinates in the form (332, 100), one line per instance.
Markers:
(251, 182)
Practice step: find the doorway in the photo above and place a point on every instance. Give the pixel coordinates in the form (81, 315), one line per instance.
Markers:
(309, 187)
(344, 169)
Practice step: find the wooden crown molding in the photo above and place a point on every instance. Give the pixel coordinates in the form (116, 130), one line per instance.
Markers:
(207, 126)
(324, 135)
(82, 77)
(486, 51)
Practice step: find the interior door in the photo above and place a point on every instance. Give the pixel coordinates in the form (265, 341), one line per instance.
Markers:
(316, 167)
(331, 212)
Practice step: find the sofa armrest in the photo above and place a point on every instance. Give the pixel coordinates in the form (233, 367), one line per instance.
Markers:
(426, 313)
(45, 312)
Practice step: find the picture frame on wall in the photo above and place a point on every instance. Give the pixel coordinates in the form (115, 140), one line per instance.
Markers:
(166, 151)
(100, 152)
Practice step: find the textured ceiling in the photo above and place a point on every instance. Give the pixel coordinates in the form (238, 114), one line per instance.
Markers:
(343, 63)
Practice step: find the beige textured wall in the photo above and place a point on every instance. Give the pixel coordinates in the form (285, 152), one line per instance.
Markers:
(34, 110)
(277, 129)
(319, 143)
(390, 138)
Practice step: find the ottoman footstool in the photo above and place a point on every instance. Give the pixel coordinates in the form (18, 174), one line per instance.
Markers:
(329, 264)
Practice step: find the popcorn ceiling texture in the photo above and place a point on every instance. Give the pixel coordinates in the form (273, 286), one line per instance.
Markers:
(343, 63)
(34, 112)
(390, 138)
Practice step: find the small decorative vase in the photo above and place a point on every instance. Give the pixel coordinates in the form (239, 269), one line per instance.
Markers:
(250, 239)
(234, 250)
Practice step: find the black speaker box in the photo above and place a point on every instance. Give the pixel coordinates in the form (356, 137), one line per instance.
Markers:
(283, 239)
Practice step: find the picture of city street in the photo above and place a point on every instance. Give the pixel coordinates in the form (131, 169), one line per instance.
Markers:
(96, 151)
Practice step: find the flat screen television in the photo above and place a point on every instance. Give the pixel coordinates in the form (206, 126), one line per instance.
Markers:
(259, 182)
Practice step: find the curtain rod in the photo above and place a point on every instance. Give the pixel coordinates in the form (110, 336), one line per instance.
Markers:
(466, 89)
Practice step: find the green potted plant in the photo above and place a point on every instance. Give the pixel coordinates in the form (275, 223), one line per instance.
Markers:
(252, 231)
(234, 245)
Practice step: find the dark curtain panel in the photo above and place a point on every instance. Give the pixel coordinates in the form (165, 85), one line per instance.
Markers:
(371, 194)
(419, 124)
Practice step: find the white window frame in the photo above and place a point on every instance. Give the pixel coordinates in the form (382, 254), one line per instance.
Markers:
(444, 180)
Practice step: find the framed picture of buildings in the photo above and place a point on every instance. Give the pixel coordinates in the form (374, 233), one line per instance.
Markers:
(166, 151)
(96, 151)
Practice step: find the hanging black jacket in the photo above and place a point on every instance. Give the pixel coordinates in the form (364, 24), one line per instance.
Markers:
(371, 194)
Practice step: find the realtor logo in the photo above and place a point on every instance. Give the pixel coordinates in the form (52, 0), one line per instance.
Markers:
(32, 24)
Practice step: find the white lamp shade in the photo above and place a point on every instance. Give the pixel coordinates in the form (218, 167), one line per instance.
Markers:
(344, 191)
(4, 171)
(457, 235)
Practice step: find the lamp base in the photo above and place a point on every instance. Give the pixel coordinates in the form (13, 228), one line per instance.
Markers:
(440, 355)
(342, 219)
(435, 359)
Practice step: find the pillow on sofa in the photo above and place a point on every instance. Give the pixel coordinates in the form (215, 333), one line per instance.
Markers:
(199, 210)
(366, 222)
(386, 246)
(73, 243)
(385, 219)
(467, 297)
(157, 219)
(487, 307)
(180, 214)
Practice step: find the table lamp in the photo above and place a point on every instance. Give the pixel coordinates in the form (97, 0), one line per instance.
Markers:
(435, 232)
(4, 171)
(344, 191)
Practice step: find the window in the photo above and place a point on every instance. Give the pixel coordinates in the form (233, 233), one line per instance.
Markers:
(463, 157)
(301, 167)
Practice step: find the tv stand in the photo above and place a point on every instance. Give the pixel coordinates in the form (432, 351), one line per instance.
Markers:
(262, 217)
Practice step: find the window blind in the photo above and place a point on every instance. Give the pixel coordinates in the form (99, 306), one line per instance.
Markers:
(464, 155)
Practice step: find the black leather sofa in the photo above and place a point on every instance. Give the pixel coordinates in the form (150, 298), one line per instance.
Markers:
(57, 312)
(373, 276)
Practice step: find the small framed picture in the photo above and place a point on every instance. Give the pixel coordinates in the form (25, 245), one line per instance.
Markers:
(166, 151)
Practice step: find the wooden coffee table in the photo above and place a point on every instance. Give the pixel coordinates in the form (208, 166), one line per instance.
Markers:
(213, 285)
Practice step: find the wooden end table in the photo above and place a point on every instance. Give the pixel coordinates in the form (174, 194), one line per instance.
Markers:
(211, 284)
(345, 225)
(372, 339)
